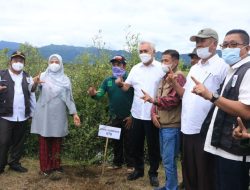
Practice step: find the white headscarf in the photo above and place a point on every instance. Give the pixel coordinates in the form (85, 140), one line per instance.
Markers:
(56, 83)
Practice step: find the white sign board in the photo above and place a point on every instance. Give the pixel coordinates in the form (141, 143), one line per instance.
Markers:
(109, 132)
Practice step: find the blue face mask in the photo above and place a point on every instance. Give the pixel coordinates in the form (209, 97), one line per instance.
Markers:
(231, 55)
(118, 71)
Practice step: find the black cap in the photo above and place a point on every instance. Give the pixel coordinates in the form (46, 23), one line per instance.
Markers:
(17, 54)
(118, 58)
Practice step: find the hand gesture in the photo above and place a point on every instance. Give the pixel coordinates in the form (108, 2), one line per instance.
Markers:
(240, 132)
(92, 91)
(201, 90)
(2, 88)
(146, 97)
(156, 122)
(77, 121)
(128, 121)
(172, 77)
(119, 81)
(37, 80)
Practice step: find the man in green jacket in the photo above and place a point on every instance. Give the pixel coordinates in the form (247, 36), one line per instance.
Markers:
(119, 110)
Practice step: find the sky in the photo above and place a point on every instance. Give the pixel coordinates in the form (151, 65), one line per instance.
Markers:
(167, 23)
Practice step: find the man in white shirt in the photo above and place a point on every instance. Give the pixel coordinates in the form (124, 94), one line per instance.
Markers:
(146, 76)
(16, 105)
(198, 165)
(232, 155)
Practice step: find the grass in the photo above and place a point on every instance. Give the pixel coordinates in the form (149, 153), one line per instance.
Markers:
(74, 177)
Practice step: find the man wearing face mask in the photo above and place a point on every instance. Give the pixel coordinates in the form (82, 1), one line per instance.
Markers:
(198, 165)
(194, 57)
(232, 100)
(119, 109)
(16, 106)
(166, 115)
(146, 76)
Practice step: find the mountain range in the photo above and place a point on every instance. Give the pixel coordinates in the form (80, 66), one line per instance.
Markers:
(71, 52)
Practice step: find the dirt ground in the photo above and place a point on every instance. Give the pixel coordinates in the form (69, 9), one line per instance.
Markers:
(74, 177)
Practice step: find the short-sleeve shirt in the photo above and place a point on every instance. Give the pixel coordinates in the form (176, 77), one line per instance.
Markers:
(195, 108)
(145, 78)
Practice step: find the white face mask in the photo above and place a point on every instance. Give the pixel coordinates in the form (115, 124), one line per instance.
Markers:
(203, 53)
(145, 57)
(165, 68)
(54, 67)
(17, 66)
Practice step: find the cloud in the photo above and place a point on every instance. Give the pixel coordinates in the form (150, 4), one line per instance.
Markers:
(169, 24)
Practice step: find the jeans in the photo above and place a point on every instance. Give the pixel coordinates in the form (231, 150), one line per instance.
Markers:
(169, 147)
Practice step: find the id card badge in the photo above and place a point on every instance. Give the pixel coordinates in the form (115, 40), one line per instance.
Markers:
(235, 77)
(28, 80)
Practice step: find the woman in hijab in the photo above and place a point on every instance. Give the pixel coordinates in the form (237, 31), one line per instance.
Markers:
(50, 120)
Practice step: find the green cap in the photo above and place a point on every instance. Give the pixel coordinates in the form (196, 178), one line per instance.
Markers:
(205, 33)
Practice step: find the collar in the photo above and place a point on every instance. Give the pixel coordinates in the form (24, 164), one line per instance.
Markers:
(241, 62)
(14, 74)
(210, 60)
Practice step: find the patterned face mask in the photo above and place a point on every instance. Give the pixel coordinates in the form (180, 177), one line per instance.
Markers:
(118, 71)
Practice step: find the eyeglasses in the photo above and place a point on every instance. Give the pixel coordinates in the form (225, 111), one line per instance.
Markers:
(230, 45)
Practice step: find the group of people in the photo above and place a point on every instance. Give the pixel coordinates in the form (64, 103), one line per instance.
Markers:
(206, 112)
(49, 114)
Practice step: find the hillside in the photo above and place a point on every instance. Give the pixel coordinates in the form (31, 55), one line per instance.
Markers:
(71, 52)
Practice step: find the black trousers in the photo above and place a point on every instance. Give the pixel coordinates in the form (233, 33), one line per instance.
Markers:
(140, 129)
(122, 147)
(12, 137)
(198, 165)
(231, 175)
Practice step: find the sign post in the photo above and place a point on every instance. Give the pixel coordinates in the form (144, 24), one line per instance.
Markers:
(108, 132)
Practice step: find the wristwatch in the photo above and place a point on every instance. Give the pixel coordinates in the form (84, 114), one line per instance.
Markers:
(215, 96)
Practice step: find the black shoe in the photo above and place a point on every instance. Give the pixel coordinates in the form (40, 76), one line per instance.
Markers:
(1, 171)
(18, 168)
(154, 181)
(135, 175)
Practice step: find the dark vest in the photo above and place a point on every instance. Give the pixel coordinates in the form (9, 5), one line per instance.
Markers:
(223, 125)
(7, 95)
